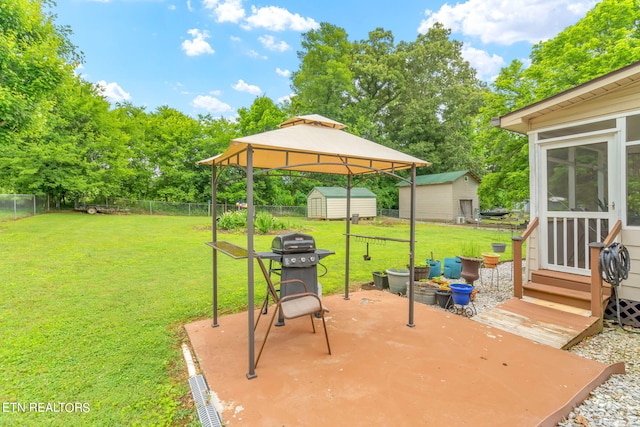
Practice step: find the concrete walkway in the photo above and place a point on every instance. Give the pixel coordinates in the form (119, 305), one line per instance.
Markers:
(447, 370)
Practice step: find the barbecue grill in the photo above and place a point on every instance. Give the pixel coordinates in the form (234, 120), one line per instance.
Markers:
(296, 257)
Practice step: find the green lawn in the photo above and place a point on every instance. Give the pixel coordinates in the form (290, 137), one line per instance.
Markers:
(91, 306)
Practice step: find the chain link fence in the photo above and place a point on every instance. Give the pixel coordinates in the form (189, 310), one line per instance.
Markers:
(14, 206)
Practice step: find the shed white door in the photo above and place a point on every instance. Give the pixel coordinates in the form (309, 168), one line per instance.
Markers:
(578, 197)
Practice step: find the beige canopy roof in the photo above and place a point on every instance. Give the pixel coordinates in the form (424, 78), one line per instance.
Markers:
(314, 143)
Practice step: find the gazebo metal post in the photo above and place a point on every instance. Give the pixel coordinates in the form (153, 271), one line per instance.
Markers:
(214, 237)
(250, 309)
(348, 240)
(412, 243)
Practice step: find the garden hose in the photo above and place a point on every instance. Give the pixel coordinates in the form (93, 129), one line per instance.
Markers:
(614, 265)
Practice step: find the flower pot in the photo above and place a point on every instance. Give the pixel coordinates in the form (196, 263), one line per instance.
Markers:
(499, 247)
(397, 280)
(490, 259)
(444, 298)
(380, 279)
(461, 293)
(452, 268)
(420, 272)
(470, 269)
(424, 293)
(434, 268)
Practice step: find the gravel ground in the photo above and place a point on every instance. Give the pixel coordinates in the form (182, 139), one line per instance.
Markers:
(616, 403)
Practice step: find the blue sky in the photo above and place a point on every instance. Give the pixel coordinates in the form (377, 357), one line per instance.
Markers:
(216, 56)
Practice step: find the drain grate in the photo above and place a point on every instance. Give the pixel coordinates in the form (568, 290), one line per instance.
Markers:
(207, 413)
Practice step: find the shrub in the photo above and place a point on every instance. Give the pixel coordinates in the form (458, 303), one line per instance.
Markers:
(266, 222)
(233, 220)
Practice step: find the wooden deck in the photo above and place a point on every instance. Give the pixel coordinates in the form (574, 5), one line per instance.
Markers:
(445, 371)
(557, 325)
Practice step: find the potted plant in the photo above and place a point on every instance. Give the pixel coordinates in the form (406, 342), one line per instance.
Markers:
(424, 291)
(420, 272)
(380, 279)
(490, 259)
(471, 258)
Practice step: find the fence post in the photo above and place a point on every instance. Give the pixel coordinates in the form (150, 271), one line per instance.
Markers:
(34, 205)
(150, 208)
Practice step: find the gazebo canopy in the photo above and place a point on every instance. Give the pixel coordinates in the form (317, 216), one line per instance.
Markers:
(314, 143)
(305, 144)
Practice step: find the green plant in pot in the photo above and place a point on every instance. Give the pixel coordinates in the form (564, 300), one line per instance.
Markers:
(471, 257)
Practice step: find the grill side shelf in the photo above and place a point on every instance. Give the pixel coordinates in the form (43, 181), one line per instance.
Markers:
(234, 251)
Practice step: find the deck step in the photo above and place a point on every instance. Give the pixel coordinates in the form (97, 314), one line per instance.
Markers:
(561, 280)
(565, 296)
(540, 323)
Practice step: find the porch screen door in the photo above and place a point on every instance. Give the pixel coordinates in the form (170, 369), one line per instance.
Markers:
(577, 206)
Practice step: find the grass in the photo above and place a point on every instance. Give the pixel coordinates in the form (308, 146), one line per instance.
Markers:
(92, 306)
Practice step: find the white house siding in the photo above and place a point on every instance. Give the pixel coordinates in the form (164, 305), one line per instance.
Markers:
(630, 288)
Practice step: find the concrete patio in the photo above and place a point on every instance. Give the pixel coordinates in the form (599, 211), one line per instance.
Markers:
(447, 370)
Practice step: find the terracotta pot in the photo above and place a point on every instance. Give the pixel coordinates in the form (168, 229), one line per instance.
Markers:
(490, 259)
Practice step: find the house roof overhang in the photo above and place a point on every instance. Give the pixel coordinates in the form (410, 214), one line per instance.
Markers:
(519, 120)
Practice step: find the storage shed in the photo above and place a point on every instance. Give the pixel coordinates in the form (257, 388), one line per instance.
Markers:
(331, 203)
(442, 197)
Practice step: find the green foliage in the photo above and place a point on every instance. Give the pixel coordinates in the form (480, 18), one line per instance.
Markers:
(470, 249)
(265, 222)
(608, 38)
(233, 220)
(35, 56)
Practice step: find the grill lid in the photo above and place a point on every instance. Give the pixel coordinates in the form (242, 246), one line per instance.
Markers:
(293, 243)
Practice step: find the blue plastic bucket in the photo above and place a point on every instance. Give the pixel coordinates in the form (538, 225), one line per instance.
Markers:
(434, 268)
(452, 268)
(461, 293)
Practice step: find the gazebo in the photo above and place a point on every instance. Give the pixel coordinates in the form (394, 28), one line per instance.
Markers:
(312, 144)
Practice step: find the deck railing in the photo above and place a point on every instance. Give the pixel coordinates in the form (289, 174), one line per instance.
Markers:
(596, 276)
(518, 241)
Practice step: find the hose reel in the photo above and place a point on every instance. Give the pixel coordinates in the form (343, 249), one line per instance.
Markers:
(614, 265)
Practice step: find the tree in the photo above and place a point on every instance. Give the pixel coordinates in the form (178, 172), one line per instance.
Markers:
(432, 116)
(607, 38)
(323, 84)
(35, 57)
(73, 151)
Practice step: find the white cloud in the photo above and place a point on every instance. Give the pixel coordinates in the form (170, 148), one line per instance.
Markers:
(254, 54)
(283, 73)
(270, 43)
(172, 7)
(488, 66)
(189, 7)
(112, 91)
(211, 104)
(235, 39)
(198, 45)
(286, 99)
(243, 86)
(495, 21)
(275, 18)
(226, 10)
